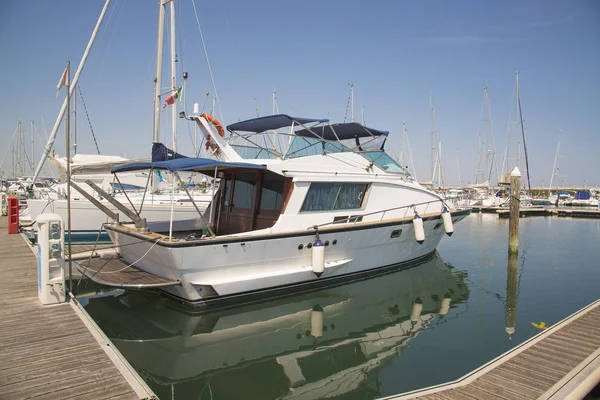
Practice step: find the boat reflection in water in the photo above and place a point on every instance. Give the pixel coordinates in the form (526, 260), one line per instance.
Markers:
(315, 345)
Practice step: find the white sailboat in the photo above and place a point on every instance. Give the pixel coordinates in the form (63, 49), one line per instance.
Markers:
(155, 207)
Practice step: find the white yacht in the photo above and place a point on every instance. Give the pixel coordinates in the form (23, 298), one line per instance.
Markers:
(324, 202)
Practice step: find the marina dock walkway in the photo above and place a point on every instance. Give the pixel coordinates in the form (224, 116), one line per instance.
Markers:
(52, 352)
(562, 361)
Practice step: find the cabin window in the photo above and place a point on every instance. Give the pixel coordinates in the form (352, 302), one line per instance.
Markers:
(272, 192)
(243, 192)
(384, 161)
(326, 196)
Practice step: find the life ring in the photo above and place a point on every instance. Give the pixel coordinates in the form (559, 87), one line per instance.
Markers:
(215, 122)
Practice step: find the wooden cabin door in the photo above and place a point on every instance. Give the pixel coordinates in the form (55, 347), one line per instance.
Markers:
(238, 202)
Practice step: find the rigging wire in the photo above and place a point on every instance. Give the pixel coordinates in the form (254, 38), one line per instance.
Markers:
(88, 118)
(212, 78)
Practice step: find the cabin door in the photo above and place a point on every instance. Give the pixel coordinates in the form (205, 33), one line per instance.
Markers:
(238, 202)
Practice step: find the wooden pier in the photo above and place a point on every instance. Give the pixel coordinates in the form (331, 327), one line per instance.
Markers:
(538, 211)
(53, 352)
(561, 362)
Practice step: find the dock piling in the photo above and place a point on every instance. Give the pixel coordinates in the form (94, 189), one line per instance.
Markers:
(515, 200)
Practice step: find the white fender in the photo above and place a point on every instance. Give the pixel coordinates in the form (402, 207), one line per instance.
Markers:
(419, 231)
(447, 218)
(318, 258)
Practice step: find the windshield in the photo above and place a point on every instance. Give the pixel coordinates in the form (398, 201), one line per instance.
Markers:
(302, 147)
(384, 161)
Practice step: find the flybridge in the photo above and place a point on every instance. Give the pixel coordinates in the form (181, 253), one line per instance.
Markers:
(283, 137)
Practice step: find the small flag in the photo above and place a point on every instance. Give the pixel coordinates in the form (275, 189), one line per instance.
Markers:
(64, 79)
(172, 98)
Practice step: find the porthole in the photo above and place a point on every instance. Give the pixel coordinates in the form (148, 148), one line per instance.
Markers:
(308, 246)
(396, 233)
(437, 225)
(334, 242)
(300, 246)
(326, 243)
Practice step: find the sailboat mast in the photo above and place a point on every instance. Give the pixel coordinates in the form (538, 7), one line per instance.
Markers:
(434, 141)
(71, 88)
(158, 78)
(173, 76)
(19, 169)
(352, 100)
(403, 146)
(555, 159)
(487, 135)
(518, 147)
(75, 122)
(32, 147)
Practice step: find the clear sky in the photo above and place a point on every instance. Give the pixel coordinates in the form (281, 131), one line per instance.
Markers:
(396, 53)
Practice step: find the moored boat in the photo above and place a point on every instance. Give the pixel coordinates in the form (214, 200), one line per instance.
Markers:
(325, 203)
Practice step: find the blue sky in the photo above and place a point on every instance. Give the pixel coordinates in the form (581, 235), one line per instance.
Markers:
(396, 53)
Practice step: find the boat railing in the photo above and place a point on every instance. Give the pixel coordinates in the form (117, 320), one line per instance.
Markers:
(408, 207)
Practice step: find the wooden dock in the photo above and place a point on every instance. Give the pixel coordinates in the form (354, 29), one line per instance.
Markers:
(53, 352)
(563, 360)
(573, 212)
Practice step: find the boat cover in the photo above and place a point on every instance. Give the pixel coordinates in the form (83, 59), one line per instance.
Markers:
(341, 131)
(203, 165)
(583, 195)
(263, 124)
(160, 152)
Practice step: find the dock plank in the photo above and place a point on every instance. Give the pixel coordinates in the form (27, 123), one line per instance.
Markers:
(46, 351)
(533, 368)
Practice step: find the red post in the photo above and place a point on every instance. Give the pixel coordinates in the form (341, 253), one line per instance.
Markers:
(13, 214)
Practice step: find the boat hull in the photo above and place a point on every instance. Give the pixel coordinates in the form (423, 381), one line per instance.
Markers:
(244, 265)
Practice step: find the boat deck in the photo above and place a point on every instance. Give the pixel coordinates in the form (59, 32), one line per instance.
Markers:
(562, 360)
(52, 352)
(115, 273)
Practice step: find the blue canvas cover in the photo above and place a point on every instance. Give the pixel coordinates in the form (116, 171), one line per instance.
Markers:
(160, 152)
(341, 131)
(203, 165)
(270, 122)
(583, 195)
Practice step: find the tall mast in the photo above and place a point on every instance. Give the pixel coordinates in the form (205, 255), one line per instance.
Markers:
(173, 76)
(73, 84)
(158, 78)
(555, 159)
(434, 141)
(487, 136)
(402, 148)
(352, 100)
(32, 147)
(517, 125)
(19, 167)
(75, 122)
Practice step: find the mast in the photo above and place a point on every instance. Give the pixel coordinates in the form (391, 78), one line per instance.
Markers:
(19, 167)
(173, 76)
(32, 147)
(403, 145)
(555, 159)
(517, 124)
(352, 100)
(158, 78)
(71, 88)
(75, 123)
(434, 142)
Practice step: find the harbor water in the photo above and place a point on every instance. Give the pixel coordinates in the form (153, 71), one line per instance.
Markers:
(408, 329)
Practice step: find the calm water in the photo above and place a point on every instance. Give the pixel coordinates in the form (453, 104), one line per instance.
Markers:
(393, 333)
